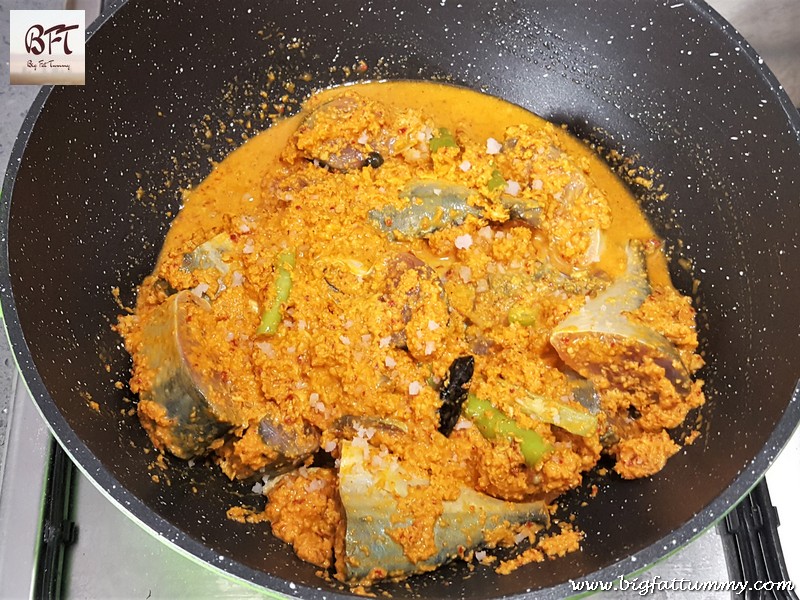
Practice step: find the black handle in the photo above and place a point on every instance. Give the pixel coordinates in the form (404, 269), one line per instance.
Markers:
(58, 531)
(753, 548)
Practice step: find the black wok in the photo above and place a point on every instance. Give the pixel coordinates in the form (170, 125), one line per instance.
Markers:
(669, 83)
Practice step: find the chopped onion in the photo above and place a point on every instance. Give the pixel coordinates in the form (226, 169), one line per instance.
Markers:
(266, 348)
(463, 241)
(201, 289)
(315, 485)
(512, 187)
(360, 442)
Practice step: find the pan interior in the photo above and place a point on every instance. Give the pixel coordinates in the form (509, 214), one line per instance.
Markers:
(723, 147)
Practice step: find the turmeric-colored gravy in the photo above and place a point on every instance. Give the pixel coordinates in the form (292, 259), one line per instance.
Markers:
(415, 315)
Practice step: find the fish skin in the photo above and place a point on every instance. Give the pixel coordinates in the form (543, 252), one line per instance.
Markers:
(369, 498)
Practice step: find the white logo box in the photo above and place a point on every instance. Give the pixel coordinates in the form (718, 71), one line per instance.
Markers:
(47, 47)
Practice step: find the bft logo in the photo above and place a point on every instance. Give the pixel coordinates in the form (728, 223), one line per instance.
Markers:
(57, 34)
(47, 47)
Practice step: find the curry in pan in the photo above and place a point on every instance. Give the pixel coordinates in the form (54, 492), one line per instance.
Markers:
(414, 315)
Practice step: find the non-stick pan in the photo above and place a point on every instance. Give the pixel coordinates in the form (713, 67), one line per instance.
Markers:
(666, 85)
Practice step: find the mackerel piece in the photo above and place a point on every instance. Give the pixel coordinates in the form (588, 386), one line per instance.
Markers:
(191, 400)
(369, 497)
(431, 206)
(599, 334)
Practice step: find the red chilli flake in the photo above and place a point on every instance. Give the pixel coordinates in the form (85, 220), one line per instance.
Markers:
(654, 243)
